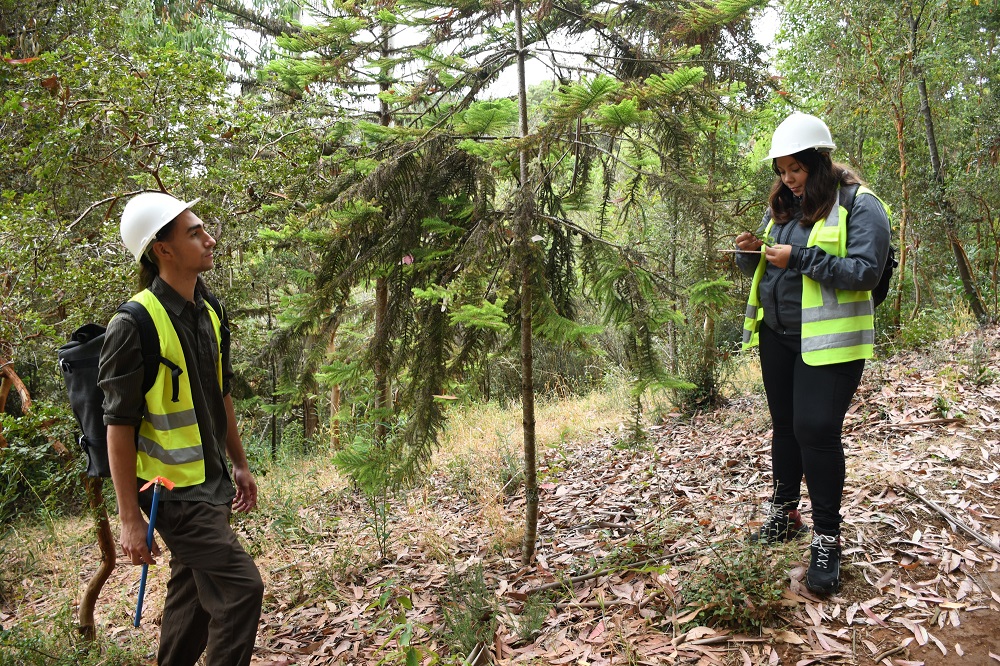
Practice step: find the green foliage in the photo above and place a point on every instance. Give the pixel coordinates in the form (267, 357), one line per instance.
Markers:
(703, 360)
(932, 325)
(663, 88)
(739, 587)
(619, 116)
(488, 118)
(979, 368)
(469, 610)
(375, 470)
(57, 642)
(34, 479)
(334, 162)
(578, 99)
(532, 617)
(903, 61)
(395, 627)
(702, 17)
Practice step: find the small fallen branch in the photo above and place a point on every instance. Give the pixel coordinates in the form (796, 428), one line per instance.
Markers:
(888, 653)
(981, 538)
(106, 542)
(607, 570)
(914, 424)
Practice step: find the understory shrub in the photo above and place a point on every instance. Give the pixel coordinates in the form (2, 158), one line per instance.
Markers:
(738, 588)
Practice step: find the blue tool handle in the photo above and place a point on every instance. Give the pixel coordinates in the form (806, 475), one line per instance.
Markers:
(142, 591)
(149, 545)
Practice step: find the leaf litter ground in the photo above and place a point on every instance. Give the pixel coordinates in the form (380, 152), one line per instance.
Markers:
(917, 588)
(921, 568)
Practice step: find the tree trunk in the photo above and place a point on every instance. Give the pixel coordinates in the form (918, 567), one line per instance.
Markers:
(274, 384)
(904, 215)
(709, 351)
(334, 398)
(965, 271)
(383, 399)
(524, 213)
(8, 380)
(106, 542)
(310, 417)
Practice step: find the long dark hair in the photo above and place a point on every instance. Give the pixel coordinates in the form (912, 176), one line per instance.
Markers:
(824, 176)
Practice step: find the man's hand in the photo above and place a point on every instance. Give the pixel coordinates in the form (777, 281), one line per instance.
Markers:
(778, 255)
(133, 542)
(246, 490)
(121, 457)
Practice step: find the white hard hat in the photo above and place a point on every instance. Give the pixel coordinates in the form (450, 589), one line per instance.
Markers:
(798, 132)
(144, 215)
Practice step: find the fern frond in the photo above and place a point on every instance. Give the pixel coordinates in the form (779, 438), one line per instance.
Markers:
(576, 99)
(698, 17)
(622, 115)
(661, 88)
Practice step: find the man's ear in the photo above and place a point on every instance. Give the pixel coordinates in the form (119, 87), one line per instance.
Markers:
(160, 250)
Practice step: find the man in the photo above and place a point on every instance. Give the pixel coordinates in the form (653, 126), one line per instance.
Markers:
(181, 429)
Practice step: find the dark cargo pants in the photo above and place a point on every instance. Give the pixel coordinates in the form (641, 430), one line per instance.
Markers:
(214, 593)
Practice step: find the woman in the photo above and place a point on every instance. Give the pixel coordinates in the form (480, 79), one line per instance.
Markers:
(810, 311)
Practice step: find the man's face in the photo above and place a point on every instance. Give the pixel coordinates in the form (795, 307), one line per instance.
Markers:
(189, 246)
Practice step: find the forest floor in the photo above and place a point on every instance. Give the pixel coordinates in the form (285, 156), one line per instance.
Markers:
(642, 555)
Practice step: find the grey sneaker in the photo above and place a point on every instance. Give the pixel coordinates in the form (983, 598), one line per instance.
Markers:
(781, 525)
(824, 564)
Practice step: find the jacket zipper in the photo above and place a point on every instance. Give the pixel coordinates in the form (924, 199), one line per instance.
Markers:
(774, 292)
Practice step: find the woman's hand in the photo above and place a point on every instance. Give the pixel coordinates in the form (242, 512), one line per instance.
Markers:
(777, 255)
(748, 242)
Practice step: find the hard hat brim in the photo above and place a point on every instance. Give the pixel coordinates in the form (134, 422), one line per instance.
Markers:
(821, 149)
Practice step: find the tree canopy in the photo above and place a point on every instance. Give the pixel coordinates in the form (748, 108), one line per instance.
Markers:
(360, 165)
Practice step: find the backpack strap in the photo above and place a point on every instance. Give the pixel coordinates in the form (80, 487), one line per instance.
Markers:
(217, 306)
(848, 193)
(149, 343)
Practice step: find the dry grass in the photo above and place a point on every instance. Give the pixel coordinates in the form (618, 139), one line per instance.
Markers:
(491, 427)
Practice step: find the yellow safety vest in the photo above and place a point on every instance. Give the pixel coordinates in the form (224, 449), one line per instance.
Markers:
(169, 442)
(837, 325)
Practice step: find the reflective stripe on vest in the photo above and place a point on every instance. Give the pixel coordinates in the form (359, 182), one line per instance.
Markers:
(169, 442)
(837, 325)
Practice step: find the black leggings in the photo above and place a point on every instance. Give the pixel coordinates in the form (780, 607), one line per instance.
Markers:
(807, 404)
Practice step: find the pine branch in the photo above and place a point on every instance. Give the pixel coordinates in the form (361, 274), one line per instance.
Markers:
(270, 26)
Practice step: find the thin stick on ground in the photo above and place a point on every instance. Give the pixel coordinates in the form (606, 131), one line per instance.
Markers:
(981, 538)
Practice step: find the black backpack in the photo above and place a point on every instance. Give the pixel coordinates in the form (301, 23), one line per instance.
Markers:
(881, 290)
(79, 360)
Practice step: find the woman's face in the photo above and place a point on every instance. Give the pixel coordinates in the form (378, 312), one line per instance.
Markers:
(792, 174)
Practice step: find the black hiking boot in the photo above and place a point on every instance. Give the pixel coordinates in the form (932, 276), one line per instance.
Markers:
(781, 525)
(824, 564)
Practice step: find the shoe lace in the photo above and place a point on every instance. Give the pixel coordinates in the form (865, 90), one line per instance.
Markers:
(824, 547)
(777, 520)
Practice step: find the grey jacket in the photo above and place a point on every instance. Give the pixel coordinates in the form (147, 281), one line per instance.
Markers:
(780, 290)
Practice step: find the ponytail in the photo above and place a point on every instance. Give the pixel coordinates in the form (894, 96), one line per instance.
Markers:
(148, 270)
